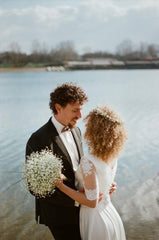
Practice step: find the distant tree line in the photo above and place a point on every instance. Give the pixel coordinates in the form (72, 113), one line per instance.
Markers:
(127, 51)
(65, 51)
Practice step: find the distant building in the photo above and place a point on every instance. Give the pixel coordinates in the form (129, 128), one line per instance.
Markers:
(77, 63)
(95, 62)
(105, 61)
(142, 64)
(110, 63)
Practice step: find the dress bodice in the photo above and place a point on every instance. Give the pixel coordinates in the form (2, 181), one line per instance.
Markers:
(103, 221)
(104, 176)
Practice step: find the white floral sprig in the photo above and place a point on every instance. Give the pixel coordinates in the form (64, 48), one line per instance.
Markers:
(99, 111)
(42, 169)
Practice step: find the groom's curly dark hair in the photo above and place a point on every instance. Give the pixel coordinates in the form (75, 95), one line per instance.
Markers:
(66, 93)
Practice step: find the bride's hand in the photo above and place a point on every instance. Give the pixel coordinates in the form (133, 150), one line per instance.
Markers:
(100, 197)
(59, 182)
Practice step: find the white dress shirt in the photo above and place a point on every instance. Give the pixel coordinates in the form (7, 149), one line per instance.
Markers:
(68, 141)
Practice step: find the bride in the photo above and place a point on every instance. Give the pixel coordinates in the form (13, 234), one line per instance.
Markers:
(105, 135)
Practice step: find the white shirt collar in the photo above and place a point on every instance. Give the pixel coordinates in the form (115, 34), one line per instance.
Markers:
(57, 124)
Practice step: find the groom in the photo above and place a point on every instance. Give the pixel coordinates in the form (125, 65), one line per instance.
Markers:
(59, 212)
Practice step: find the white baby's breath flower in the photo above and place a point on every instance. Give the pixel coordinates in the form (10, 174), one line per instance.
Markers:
(42, 169)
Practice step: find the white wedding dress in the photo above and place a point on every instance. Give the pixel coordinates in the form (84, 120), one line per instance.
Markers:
(102, 222)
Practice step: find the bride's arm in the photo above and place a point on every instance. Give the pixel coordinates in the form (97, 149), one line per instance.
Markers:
(80, 197)
(90, 196)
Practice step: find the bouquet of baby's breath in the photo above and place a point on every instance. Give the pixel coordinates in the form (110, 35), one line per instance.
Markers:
(42, 169)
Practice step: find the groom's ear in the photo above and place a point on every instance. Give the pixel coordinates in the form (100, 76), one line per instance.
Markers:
(58, 107)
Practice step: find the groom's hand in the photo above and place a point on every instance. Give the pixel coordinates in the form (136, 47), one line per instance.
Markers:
(113, 188)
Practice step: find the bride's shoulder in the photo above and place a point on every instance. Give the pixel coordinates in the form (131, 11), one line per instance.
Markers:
(87, 164)
(90, 158)
(87, 158)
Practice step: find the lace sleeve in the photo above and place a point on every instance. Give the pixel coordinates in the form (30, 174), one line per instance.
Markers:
(90, 180)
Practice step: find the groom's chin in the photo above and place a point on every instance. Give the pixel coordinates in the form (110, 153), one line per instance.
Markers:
(71, 126)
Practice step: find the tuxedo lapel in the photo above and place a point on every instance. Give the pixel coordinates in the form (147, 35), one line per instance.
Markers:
(78, 143)
(60, 144)
(55, 138)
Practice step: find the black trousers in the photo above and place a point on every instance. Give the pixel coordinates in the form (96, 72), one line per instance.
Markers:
(64, 232)
(63, 223)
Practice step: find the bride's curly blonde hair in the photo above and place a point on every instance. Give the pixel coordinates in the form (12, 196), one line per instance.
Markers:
(105, 133)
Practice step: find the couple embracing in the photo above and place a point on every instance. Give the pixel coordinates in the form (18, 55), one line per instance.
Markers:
(81, 207)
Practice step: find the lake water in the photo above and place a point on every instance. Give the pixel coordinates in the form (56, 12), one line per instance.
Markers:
(24, 99)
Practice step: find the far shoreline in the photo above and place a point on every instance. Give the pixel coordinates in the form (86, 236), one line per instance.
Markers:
(43, 69)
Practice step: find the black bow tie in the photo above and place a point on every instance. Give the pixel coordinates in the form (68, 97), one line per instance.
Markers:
(65, 129)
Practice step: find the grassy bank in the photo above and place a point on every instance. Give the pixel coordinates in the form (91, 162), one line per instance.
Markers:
(30, 67)
(23, 69)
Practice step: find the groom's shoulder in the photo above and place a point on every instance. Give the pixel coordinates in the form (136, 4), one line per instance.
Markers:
(43, 130)
(39, 139)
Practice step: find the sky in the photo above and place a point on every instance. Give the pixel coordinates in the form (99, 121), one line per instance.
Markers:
(91, 25)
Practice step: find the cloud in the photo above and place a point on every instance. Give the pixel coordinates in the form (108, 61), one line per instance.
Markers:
(100, 25)
(103, 10)
(31, 23)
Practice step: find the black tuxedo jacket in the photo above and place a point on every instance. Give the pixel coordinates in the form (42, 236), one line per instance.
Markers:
(47, 136)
